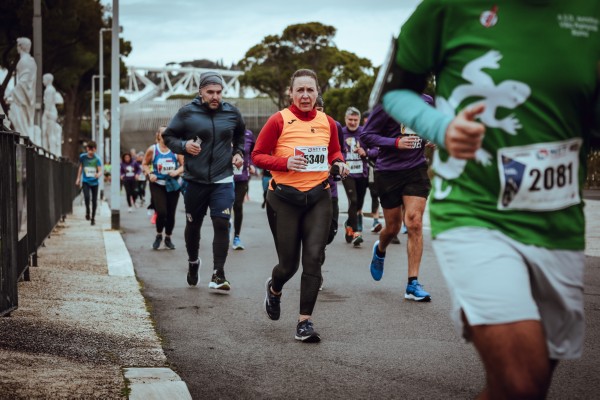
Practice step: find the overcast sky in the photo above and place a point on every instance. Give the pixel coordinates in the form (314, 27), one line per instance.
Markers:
(163, 31)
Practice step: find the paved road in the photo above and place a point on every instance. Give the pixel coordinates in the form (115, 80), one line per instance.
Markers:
(375, 344)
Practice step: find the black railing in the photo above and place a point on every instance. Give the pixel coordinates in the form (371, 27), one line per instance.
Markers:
(37, 190)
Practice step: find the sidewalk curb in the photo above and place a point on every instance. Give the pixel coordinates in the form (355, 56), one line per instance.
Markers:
(155, 383)
(144, 383)
(592, 228)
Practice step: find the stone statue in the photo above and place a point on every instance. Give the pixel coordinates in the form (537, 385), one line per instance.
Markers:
(51, 130)
(22, 96)
(4, 123)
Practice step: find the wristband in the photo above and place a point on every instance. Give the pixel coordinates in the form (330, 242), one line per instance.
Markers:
(398, 142)
(408, 107)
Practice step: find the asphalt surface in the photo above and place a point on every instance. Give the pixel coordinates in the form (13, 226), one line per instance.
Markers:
(374, 343)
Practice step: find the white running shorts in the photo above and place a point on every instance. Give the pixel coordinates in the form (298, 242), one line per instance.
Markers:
(494, 279)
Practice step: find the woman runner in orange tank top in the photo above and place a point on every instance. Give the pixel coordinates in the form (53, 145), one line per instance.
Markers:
(299, 145)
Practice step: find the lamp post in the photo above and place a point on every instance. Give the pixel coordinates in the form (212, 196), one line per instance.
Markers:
(94, 134)
(101, 97)
(115, 128)
(37, 55)
(101, 106)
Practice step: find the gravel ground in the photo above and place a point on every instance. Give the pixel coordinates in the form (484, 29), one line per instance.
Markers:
(75, 327)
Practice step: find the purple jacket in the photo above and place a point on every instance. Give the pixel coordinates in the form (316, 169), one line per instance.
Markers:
(333, 184)
(382, 130)
(353, 138)
(248, 145)
(130, 170)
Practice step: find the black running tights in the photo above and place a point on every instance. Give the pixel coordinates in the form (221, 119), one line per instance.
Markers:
(300, 232)
(141, 189)
(220, 241)
(86, 197)
(165, 205)
(335, 213)
(356, 188)
(241, 188)
(130, 189)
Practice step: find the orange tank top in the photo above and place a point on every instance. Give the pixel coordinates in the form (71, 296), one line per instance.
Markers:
(308, 138)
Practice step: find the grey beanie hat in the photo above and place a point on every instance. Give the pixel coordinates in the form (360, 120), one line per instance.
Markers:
(210, 78)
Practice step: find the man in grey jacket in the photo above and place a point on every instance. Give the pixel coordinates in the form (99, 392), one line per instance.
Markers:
(210, 135)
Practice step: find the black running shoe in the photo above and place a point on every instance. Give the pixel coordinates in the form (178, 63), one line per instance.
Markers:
(93, 222)
(87, 216)
(157, 241)
(168, 243)
(192, 275)
(306, 333)
(272, 302)
(218, 284)
(357, 239)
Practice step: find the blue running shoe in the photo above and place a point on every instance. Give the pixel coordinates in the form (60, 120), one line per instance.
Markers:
(376, 264)
(237, 243)
(414, 291)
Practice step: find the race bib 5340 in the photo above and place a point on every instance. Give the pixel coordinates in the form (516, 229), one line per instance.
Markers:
(316, 157)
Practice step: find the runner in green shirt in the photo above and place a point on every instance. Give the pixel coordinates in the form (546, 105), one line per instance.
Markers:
(515, 85)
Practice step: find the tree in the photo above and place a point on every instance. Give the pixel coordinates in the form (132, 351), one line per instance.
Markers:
(268, 65)
(70, 30)
(203, 63)
(337, 100)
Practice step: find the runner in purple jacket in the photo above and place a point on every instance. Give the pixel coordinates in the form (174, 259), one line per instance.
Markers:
(130, 170)
(402, 180)
(333, 187)
(355, 154)
(241, 176)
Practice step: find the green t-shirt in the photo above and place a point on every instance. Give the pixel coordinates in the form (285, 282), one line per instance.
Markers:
(534, 64)
(89, 168)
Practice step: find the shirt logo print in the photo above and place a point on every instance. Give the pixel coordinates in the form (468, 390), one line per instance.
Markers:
(489, 18)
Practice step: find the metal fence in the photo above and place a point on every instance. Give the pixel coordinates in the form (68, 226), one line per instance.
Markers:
(37, 190)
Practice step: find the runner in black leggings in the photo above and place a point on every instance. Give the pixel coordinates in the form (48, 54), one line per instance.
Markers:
(162, 167)
(130, 170)
(300, 231)
(165, 205)
(241, 176)
(298, 145)
(88, 174)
